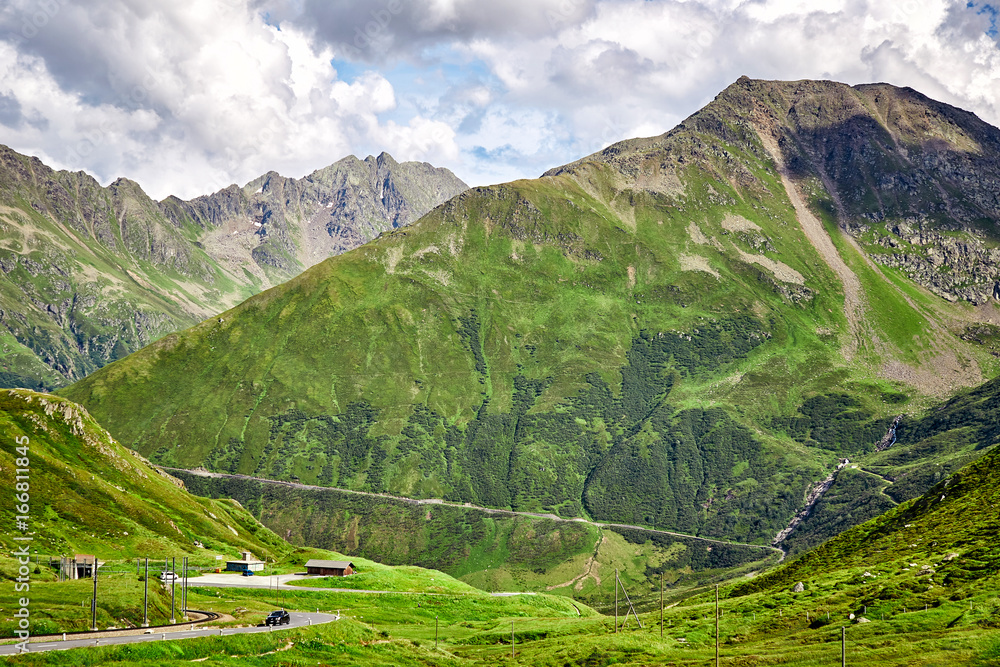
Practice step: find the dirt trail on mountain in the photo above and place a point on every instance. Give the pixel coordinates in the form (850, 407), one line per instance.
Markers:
(590, 569)
(812, 227)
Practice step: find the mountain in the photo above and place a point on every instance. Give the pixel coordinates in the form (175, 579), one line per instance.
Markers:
(687, 332)
(90, 274)
(295, 223)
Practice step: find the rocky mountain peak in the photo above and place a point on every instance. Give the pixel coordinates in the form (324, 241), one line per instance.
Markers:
(870, 157)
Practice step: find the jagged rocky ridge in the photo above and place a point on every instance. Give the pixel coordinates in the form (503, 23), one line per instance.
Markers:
(955, 266)
(90, 274)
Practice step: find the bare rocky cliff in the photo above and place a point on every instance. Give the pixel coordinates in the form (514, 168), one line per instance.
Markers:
(296, 223)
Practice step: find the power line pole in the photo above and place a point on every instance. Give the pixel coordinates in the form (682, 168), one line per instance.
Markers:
(173, 585)
(661, 605)
(93, 600)
(843, 646)
(512, 640)
(717, 625)
(631, 608)
(145, 597)
(616, 601)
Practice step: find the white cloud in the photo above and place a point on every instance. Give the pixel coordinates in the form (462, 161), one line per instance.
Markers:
(192, 95)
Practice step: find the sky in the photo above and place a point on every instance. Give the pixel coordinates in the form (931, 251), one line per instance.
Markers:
(189, 96)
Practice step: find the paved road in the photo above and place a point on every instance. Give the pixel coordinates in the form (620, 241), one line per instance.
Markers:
(298, 620)
(221, 580)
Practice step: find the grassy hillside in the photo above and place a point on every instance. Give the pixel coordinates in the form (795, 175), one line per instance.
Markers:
(656, 335)
(928, 448)
(950, 532)
(89, 494)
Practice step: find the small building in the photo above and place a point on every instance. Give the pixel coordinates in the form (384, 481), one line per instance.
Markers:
(244, 565)
(330, 568)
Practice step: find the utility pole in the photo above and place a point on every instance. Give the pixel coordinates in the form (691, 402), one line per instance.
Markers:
(717, 625)
(184, 589)
(616, 601)
(661, 605)
(93, 600)
(512, 640)
(145, 597)
(435, 632)
(173, 585)
(843, 646)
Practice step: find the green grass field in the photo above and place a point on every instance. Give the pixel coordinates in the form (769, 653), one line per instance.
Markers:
(921, 582)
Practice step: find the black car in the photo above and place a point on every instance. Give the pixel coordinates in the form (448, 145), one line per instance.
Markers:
(279, 617)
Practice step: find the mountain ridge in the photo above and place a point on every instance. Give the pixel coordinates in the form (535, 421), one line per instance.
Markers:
(92, 273)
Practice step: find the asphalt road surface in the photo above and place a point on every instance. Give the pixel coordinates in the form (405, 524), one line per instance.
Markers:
(233, 580)
(298, 620)
(224, 580)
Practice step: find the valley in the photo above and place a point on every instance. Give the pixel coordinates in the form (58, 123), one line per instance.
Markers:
(923, 574)
(651, 335)
(755, 357)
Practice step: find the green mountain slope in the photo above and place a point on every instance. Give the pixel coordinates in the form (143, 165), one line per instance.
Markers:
(655, 335)
(922, 450)
(950, 532)
(88, 494)
(90, 274)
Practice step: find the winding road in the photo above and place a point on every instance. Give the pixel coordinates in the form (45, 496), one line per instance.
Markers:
(39, 644)
(488, 510)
